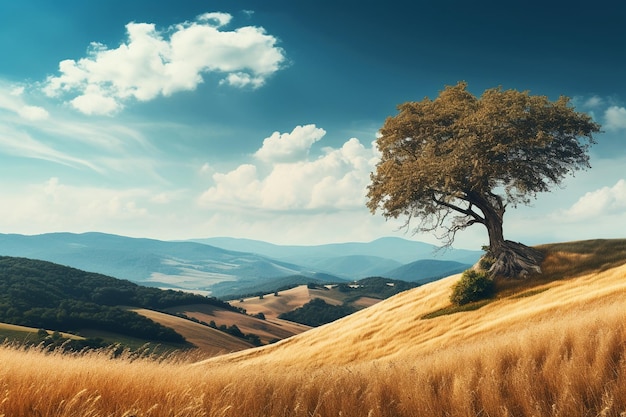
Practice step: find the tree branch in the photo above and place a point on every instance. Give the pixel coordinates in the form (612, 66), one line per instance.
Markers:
(468, 211)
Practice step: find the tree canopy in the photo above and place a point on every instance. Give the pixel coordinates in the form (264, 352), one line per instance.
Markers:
(459, 160)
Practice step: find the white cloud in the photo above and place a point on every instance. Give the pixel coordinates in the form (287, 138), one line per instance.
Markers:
(53, 205)
(11, 99)
(593, 102)
(19, 143)
(241, 79)
(33, 113)
(615, 118)
(239, 187)
(292, 146)
(95, 101)
(221, 19)
(335, 181)
(152, 62)
(601, 202)
(64, 138)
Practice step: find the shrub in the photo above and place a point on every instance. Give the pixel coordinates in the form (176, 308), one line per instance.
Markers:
(473, 286)
(486, 262)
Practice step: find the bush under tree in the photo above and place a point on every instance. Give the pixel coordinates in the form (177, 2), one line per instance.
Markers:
(473, 286)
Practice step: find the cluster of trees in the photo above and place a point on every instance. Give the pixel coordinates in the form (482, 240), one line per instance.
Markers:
(375, 287)
(232, 330)
(317, 312)
(46, 295)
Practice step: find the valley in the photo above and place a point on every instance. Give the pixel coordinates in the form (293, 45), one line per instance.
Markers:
(240, 266)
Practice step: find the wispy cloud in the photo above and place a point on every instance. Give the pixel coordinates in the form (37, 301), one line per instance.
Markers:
(63, 137)
(22, 144)
(11, 101)
(153, 62)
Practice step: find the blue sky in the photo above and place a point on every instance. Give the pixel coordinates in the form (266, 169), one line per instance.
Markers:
(256, 119)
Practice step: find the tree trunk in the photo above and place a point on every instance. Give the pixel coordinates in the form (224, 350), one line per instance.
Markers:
(512, 259)
(515, 260)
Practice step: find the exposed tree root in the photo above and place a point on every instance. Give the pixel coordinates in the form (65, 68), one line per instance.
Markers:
(515, 260)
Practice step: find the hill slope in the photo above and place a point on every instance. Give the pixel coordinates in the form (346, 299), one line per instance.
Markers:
(393, 330)
(546, 347)
(426, 270)
(46, 295)
(352, 260)
(178, 265)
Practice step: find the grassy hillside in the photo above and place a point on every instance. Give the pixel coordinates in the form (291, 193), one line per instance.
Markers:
(44, 295)
(210, 341)
(552, 298)
(302, 303)
(552, 346)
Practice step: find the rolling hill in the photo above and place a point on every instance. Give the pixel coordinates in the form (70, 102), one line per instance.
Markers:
(551, 345)
(43, 295)
(393, 330)
(177, 265)
(351, 260)
(426, 270)
(220, 271)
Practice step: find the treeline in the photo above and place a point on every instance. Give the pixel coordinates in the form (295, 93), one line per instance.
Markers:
(317, 312)
(232, 330)
(46, 295)
(375, 287)
(254, 288)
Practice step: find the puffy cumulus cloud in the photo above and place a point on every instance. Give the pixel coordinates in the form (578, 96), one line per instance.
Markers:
(335, 181)
(615, 118)
(239, 187)
(154, 62)
(288, 147)
(601, 202)
(95, 101)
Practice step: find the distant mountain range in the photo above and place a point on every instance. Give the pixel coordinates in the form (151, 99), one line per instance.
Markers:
(201, 264)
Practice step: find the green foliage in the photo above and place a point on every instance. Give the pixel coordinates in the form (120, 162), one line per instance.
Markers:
(376, 287)
(256, 288)
(317, 312)
(51, 341)
(473, 286)
(486, 262)
(46, 295)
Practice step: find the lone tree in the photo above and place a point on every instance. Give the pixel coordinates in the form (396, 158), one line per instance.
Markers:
(459, 160)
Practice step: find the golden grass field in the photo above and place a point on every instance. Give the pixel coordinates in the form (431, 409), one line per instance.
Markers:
(545, 348)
